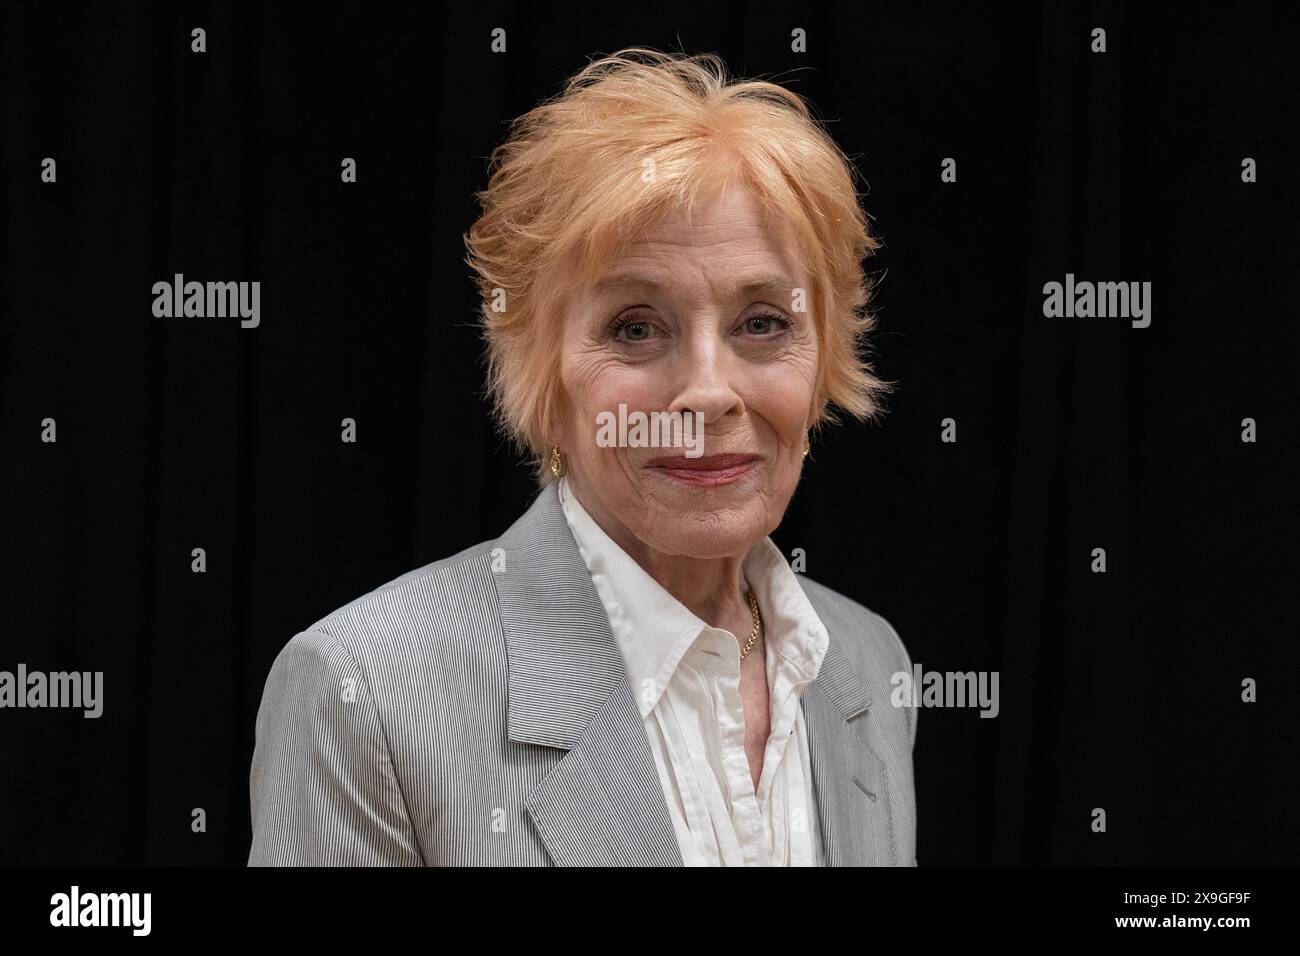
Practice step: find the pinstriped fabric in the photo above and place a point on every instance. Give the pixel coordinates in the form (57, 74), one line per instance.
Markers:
(568, 689)
(869, 742)
(438, 678)
(317, 759)
(624, 830)
(476, 712)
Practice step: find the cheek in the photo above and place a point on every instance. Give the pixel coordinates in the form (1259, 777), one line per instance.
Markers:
(783, 394)
(603, 384)
(597, 384)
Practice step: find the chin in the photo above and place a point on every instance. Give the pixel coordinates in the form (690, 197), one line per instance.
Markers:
(703, 532)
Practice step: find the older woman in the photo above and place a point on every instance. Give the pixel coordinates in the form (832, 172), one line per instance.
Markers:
(632, 673)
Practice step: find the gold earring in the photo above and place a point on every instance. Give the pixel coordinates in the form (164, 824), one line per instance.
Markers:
(807, 446)
(557, 462)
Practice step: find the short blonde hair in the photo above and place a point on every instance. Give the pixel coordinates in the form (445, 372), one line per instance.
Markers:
(566, 192)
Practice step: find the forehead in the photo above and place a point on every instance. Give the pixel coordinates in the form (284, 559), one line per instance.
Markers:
(736, 282)
(725, 242)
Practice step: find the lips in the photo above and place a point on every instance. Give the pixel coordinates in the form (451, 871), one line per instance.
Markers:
(706, 471)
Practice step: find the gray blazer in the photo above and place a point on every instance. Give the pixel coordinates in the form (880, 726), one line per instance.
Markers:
(476, 711)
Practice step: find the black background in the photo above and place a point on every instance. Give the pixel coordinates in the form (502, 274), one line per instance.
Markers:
(1118, 690)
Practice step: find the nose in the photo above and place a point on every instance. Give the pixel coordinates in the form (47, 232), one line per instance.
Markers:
(706, 377)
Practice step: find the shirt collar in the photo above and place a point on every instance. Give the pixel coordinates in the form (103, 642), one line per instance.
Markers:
(654, 630)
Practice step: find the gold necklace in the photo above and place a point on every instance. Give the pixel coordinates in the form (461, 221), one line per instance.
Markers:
(753, 634)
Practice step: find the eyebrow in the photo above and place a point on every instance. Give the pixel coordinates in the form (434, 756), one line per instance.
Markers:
(751, 285)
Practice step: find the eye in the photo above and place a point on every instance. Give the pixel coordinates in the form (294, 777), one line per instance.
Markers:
(765, 324)
(629, 328)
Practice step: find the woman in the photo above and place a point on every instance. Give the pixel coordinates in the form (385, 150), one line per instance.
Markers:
(632, 673)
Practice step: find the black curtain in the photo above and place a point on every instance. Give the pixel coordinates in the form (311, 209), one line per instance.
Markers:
(1119, 690)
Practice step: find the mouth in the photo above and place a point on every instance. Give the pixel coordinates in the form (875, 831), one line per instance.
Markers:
(708, 471)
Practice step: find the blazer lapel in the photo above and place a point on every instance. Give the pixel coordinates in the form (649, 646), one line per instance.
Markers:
(848, 778)
(603, 803)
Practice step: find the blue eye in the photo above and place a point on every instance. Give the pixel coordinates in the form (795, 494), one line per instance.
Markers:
(765, 320)
(638, 330)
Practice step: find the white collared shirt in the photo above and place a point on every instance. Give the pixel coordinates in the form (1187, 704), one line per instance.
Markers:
(685, 676)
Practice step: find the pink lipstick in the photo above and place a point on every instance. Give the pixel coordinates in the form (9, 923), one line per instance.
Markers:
(707, 471)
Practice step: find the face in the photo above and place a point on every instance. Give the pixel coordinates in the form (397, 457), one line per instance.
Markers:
(699, 317)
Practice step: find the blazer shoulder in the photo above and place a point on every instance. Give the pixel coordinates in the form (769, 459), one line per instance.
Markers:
(867, 633)
(456, 587)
